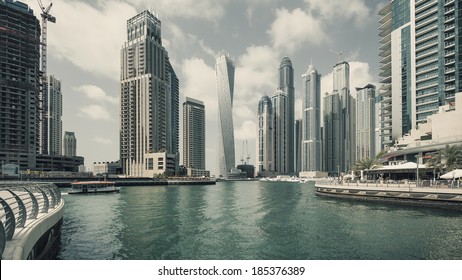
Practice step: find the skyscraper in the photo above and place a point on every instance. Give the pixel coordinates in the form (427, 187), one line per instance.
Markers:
(149, 97)
(264, 136)
(194, 134)
(286, 84)
(311, 121)
(332, 139)
(339, 122)
(70, 144)
(365, 122)
(224, 71)
(20, 84)
(280, 136)
(54, 111)
(420, 62)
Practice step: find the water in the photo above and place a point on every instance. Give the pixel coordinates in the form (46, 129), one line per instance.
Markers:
(251, 220)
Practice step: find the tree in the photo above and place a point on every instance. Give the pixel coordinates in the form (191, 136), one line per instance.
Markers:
(451, 157)
(447, 159)
(366, 164)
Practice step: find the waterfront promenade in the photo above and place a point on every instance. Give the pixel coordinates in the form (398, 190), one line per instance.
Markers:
(31, 216)
(432, 195)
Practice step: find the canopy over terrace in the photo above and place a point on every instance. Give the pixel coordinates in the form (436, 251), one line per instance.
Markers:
(402, 171)
(455, 174)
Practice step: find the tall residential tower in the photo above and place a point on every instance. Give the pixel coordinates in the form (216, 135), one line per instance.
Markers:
(286, 84)
(224, 71)
(365, 122)
(311, 121)
(420, 62)
(20, 84)
(149, 97)
(264, 136)
(194, 134)
(54, 112)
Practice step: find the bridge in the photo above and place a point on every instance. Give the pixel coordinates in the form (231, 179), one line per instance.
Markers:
(31, 215)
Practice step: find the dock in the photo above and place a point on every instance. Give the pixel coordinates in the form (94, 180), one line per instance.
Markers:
(403, 194)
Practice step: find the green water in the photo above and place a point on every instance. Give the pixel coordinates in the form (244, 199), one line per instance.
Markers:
(251, 220)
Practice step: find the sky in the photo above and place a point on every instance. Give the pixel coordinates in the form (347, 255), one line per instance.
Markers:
(85, 42)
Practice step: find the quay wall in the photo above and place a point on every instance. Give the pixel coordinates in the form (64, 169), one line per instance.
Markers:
(449, 198)
(31, 217)
(65, 182)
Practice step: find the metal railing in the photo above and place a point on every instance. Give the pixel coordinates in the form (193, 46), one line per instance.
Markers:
(21, 202)
(444, 184)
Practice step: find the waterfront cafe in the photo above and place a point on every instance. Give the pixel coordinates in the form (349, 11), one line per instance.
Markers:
(402, 171)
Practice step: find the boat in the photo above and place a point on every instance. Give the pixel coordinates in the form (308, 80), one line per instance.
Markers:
(93, 187)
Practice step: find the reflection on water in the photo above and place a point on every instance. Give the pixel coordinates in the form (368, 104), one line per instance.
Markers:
(251, 220)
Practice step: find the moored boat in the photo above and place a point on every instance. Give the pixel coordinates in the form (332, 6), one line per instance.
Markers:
(93, 187)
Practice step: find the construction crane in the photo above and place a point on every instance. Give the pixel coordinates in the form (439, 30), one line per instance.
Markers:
(339, 54)
(42, 98)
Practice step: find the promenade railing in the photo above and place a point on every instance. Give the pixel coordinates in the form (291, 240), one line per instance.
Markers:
(22, 202)
(393, 183)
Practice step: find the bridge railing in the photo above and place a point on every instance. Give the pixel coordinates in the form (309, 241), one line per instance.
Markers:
(21, 202)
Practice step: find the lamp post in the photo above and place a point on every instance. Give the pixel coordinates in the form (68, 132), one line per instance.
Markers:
(417, 175)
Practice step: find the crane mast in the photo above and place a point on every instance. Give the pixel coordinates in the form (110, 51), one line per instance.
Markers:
(42, 98)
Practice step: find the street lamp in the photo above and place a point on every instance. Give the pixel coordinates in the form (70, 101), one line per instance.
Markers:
(417, 175)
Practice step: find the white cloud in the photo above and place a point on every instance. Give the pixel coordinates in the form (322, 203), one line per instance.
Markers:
(246, 131)
(292, 29)
(96, 93)
(199, 83)
(89, 37)
(95, 112)
(333, 10)
(208, 10)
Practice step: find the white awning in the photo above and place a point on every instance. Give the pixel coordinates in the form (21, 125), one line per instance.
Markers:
(456, 173)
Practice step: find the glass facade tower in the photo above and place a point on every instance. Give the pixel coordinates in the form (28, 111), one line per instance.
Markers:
(311, 121)
(224, 71)
(286, 84)
(365, 122)
(54, 113)
(194, 134)
(264, 135)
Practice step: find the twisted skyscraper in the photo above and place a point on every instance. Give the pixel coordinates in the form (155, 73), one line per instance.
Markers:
(224, 71)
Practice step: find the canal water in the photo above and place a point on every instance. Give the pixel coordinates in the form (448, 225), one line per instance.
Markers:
(251, 220)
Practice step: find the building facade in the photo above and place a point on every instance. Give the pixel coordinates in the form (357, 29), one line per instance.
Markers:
(420, 62)
(149, 96)
(311, 151)
(280, 133)
(19, 86)
(264, 136)
(54, 115)
(70, 144)
(365, 122)
(339, 123)
(224, 71)
(286, 84)
(194, 134)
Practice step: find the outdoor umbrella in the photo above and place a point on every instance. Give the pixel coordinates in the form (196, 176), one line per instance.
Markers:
(456, 173)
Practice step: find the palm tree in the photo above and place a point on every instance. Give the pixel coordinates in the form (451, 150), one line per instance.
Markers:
(366, 164)
(447, 159)
(451, 157)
